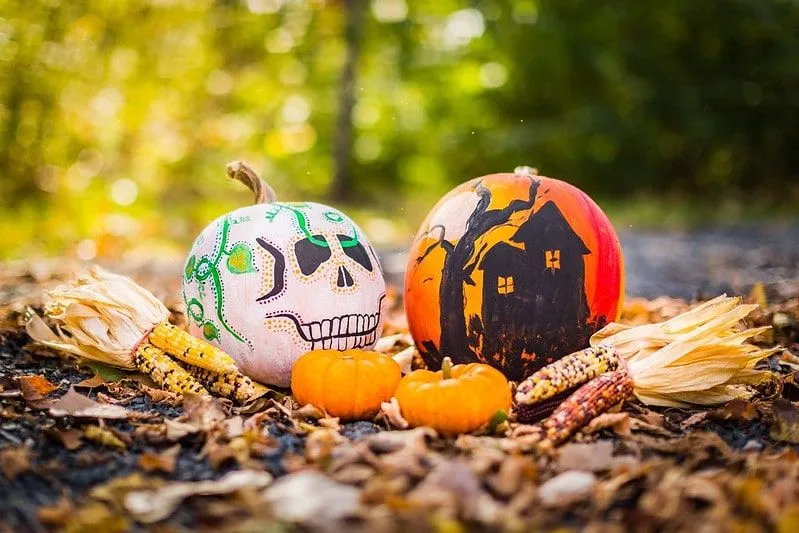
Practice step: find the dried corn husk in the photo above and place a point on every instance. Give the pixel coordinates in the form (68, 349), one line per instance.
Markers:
(698, 357)
(99, 316)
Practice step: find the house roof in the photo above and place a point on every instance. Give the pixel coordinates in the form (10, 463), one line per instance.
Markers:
(548, 225)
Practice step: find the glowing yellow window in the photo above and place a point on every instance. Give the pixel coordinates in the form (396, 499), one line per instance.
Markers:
(552, 259)
(505, 285)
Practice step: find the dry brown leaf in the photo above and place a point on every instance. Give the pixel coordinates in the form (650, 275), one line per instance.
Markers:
(319, 445)
(150, 506)
(788, 521)
(738, 410)
(390, 410)
(786, 421)
(618, 422)
(96, 516)
(113, 492)
(330, 502)
(15, 460)
(91, 383)
(593, 457)
(71, 439)
(567, 488)
(104, 437)
(391, 343)
(176, 430)
(392, 441)
(307, 412)
(75, 404)
(514, 472)
(694, 419)
(55, 515)
(232, 427)
(35, 387)
(330, 422)
(164, 461)
(161, 395)
(452, 488)
(202, 411)
(405, 358)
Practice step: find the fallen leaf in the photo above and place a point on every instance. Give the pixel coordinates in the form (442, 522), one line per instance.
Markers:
(694, 419)
(176, 430)
(392, 441)
(91, 383)
(160, 462)
(202, 411)
(116, 489)
(738, 410)
(71, 439)
(331, 501)
(514, 472)
(566, 488)
(448, 480)
(107, 373)
(155, 505)
(319, 445)
(593, 457)
(786, 421)
(404, 359)
(96, 516)
(307, 412)
(35, 387)
(55, 515)
(15, 460)
(618, 422)
(75, 404)
(161, 395)
(389, 343)
(390, 410)
(789, 520)
(104, 437)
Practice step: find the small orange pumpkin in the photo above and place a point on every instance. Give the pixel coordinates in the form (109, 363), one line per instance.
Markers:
(456, 399)
(349, 384)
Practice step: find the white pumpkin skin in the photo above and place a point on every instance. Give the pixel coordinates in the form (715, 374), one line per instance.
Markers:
(269, 282)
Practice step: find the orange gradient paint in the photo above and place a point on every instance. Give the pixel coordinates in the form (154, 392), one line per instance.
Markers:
(514, 270)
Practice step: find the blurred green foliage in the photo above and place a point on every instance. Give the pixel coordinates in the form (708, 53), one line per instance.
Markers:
(118, 116)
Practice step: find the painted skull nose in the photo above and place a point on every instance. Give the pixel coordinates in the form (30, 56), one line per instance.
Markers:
(344, 278)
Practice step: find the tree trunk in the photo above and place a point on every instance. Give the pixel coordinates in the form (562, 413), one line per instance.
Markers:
(341, 187)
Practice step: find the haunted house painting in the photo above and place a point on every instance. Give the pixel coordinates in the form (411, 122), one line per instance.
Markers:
(534, 292)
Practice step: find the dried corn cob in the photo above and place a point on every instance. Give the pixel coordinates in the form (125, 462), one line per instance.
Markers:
(236, 386)
(109, 318)
(191, 350)
(164, 371)
(567, 373)
(589, 401)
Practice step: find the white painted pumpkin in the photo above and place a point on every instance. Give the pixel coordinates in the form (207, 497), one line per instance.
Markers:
(269, 282)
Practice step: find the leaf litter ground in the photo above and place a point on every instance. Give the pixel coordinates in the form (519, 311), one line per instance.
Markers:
(93, 449)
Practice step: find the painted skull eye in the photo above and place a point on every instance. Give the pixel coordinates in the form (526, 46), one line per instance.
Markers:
(311, 252)
(355, 251)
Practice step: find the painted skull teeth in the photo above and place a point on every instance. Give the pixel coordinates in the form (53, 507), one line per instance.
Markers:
(339, 333)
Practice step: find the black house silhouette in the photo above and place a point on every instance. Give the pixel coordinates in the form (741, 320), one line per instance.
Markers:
(534, 294)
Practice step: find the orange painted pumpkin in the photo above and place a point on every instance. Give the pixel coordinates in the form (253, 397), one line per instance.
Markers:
(515, 270)
(456, 399)
(349, 384)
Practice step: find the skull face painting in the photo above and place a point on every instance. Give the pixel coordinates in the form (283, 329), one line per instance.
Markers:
(272, 281)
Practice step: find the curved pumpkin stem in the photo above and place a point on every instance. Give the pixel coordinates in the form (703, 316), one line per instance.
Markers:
(264, 194)
(524, 170)
(446, 368)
